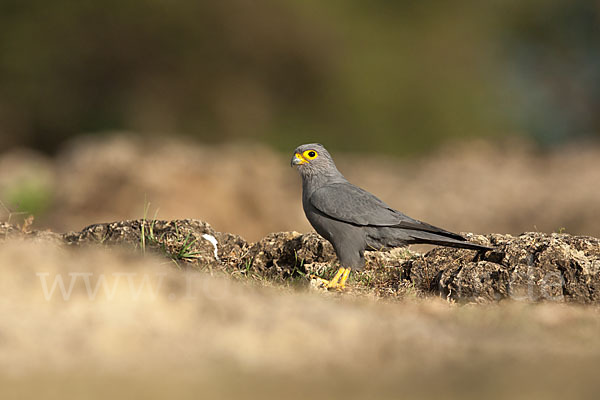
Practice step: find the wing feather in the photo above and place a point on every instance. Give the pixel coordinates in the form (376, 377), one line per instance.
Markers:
(349, 203)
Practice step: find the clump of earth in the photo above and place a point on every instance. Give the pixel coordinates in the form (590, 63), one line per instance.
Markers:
(530, 267)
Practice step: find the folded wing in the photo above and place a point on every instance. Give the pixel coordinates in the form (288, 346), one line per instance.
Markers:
(349, 203)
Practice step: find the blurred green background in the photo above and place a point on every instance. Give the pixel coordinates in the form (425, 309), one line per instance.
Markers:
(381, 76)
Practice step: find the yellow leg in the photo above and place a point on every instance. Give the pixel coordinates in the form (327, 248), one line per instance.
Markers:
(335, 281)
(338, 282)
(344, 278)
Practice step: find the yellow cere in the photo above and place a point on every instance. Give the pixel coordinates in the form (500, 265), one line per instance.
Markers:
(299, 157)
(310, 154)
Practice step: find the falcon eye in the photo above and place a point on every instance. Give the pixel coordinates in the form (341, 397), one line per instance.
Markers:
(310, 154)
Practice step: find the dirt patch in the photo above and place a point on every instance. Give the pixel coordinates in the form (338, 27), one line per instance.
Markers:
(189, 242)
(533, 266)
(9, 231)
(530, 267)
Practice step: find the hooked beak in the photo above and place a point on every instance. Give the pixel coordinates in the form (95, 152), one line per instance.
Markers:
(298, 160)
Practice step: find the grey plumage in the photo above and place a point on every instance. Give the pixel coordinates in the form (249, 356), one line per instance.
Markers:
(354, 220)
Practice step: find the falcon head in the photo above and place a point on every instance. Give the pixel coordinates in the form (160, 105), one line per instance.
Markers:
(313, 159)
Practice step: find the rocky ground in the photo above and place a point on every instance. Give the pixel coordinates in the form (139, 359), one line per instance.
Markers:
(530, 267)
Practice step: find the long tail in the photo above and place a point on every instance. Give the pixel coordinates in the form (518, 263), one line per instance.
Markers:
(424, 233)
(448, 242)
(413, 231)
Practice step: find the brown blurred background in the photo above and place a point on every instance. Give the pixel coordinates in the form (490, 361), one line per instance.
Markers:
(473, 116)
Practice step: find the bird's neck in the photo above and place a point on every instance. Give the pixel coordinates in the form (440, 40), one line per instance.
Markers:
(310, 183)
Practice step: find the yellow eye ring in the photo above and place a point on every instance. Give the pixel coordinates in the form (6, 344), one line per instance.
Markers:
(310, 154)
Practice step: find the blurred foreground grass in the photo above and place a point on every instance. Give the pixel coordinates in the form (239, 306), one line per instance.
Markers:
(134, 326)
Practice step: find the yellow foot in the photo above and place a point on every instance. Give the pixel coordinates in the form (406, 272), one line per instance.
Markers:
(337, 283)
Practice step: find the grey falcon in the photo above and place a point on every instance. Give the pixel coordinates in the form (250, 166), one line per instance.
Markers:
(353, 220)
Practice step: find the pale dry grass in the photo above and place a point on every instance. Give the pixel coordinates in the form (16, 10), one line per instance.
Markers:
(200, 336)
